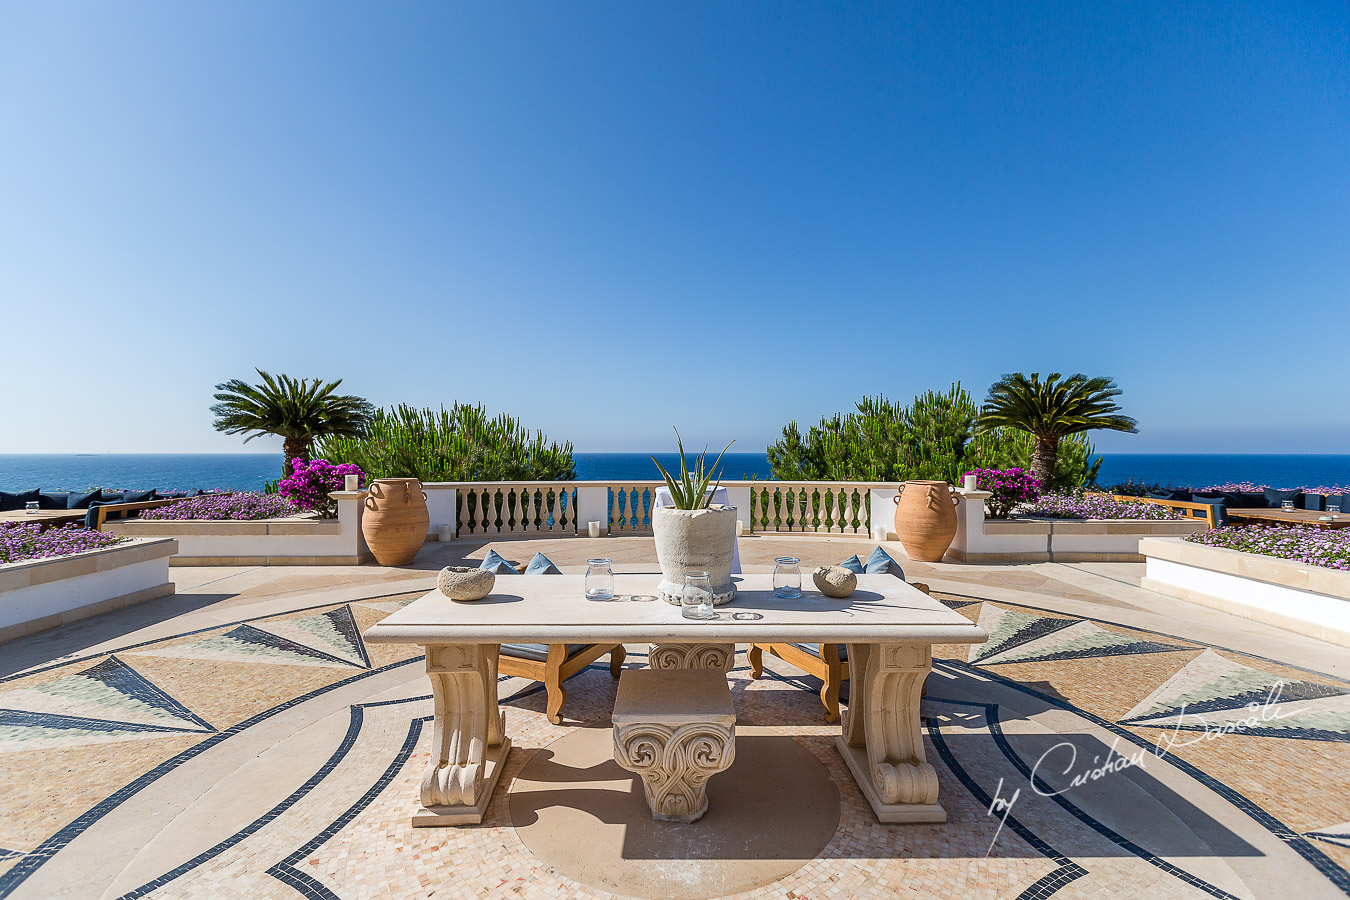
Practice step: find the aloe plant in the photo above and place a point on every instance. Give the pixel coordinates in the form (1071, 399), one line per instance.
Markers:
(690, 490)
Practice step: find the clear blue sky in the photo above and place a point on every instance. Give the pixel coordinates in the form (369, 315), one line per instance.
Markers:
(611, 218)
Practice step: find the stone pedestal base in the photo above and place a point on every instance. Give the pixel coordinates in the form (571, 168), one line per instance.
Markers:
(889, 813)
(674, 730)
(691, 656)
(468, 814)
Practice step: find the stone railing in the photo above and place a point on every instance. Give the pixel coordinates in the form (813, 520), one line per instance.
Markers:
(624, 507)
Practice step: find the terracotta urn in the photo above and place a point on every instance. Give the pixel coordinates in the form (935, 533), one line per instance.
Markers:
(395, 520)
(925, 519)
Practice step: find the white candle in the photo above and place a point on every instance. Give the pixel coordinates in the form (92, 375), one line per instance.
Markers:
(351, 482)
(968, 482)
(443, 533)
(593, 529)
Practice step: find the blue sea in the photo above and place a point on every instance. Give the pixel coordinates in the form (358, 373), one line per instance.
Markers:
(248, 471)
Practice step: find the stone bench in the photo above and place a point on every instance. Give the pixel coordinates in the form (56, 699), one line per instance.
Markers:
(675, 729)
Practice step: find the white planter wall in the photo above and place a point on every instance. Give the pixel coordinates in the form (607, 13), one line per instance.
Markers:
(1310, 600)
(39, 594)
(295, 541)
(981, 540)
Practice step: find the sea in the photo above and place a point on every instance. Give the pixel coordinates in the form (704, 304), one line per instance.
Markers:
(249, 471)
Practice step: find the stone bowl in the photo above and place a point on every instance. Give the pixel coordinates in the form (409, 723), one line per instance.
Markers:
(465, 583)
(834, 581)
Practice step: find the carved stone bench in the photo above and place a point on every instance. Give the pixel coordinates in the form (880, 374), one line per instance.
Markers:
(675, 729)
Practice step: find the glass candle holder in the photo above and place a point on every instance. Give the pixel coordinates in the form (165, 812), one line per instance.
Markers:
(1287, 505)
(30, 508)
(787, 578)
(696, 602)
(599, 579)
(1334, 508)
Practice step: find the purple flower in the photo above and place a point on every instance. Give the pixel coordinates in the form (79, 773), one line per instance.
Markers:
(311, 482)
(1010, 487)
(1310, 546)
(29, 541)
(224, 506)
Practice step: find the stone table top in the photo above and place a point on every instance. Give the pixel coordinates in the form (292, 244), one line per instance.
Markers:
(553, 609)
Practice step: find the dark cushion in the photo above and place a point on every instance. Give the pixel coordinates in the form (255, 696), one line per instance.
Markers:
(1160, 495)
(10, 502)
(52, 500)
(537, 652)
(1337, 500)
(541, 565)
(1184, 496)
(880, 563)
(90, 515)
(1220, 511)
(81, 501)
(1314, 502)
(495, 562)
(853, 564)
(1275, 497)
(111, 496)
(138, 496)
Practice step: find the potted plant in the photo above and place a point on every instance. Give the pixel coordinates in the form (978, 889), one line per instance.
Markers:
(692, 534)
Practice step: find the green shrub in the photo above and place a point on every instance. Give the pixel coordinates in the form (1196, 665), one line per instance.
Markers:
(933, 438)
(462, 443)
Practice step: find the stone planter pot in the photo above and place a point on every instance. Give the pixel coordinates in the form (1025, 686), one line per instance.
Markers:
(395, 520)
(695, 540)
(925, 519)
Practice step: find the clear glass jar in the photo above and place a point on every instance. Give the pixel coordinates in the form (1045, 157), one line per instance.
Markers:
(696, 602)
(599, 579)
(30, 508)
(1287, 505)
(1334, 509)
(787, 578)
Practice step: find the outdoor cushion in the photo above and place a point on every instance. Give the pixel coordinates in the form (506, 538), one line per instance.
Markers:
(1220, 511)
(52, 500)
(1275, 497)
(10, 502)
(1338, 500)
(541, 565)
(498, 564)
(1313, 502)
(853, 564)
(814, 650)
(138, 496)
(81, 501)
(1160, 495)
(538, 652)
(880, 563)
(111, 496)
(90, 515)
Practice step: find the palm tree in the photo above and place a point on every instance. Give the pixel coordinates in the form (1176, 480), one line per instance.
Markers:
(1051, 410)
(298, 410)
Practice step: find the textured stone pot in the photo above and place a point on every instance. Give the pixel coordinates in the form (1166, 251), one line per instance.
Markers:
(695, 540)
(465, 583)
(925, 519)
(395, 520)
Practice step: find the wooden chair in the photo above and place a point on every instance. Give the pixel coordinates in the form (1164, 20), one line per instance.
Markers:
(553, 664)
(828, 662)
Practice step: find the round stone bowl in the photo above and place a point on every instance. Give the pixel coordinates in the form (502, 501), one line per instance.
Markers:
(465, 583)
(834, 581)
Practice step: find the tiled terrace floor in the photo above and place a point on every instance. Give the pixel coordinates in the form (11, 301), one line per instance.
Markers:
(239, 739)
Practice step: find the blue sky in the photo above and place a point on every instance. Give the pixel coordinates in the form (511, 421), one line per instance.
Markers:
(608, 219)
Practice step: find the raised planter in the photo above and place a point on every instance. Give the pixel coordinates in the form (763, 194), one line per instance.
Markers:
(292, 541)
(1311, 600)
(37, 594)
(1028, 540)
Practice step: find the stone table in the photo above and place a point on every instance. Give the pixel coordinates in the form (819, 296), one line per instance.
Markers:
(889, 626)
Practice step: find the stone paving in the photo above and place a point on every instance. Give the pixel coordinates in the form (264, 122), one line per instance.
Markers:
(240, 739)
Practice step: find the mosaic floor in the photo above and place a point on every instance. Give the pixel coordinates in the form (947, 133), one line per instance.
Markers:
(276, 755)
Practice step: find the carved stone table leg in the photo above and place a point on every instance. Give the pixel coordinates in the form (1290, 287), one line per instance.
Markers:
(883, 737)
(691, 656)
(675, 763)
(469, 743)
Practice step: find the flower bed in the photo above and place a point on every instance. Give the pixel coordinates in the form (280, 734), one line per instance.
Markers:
(1079, 506)
(1008, 488)
(1311, 546)
(30, 541)
(220, 507)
